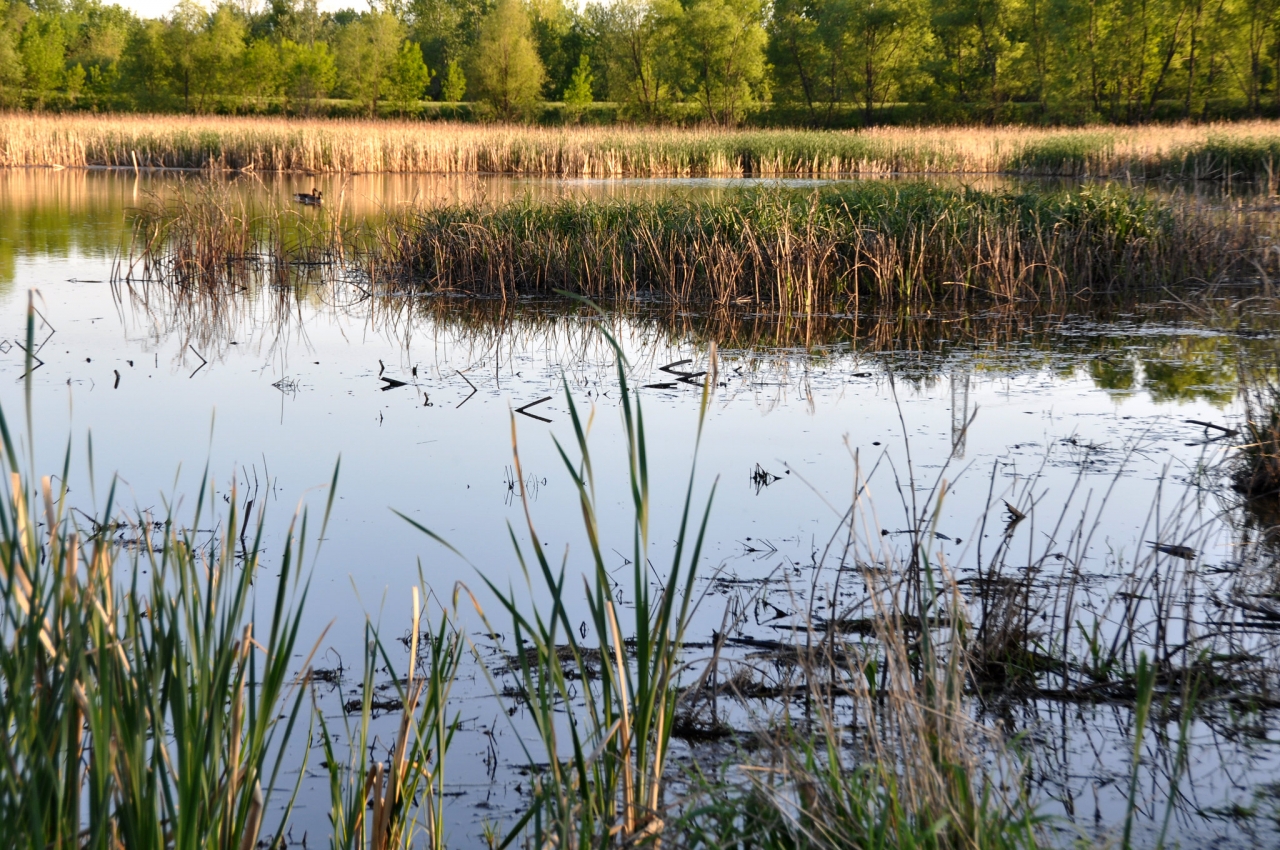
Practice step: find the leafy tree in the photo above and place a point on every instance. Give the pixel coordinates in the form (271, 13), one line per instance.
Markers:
(146, 69)
(263, 70)
(73, 81)
(506, 69)
(972, 42)
(309, 72)
(723, 45)
(808, 51)
(446, 30)
(409, 77)
(454, 86)
(887, 38)
(577, 95)
(552, 26)
(636, 41)
(217, 56)
(97, 41)
(368, 49)
(43, 49)
(11, 70)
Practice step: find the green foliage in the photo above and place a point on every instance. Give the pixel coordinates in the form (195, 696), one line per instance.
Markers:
(506, 70)
(309, 71)
(43, 47)
(825, 52)
(828, 63)
(721, 54)
(146, 68)
(367, 52)
(11, 70)
(408, 78)
(454, 86)
(577, 95)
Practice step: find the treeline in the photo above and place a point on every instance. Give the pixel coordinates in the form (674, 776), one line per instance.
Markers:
(813, 62)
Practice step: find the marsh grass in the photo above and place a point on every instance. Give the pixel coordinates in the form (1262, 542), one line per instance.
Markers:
(146, 699)
(379, 805)
(609, 787)
(1243, 151)
(205, 237)
(870, 245)
(1257, 470)
(865, 246)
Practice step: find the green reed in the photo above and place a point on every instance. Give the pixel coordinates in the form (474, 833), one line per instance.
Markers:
(379, 806)
(136, 711)
(860, 246)
(610, 786)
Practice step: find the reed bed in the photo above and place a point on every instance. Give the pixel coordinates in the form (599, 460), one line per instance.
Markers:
(138, 712)
(1243, 151)
(871, 245)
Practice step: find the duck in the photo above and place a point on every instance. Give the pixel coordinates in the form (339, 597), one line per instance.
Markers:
(314, 199)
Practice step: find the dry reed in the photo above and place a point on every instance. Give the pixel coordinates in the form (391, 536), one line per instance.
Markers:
(1216, 151)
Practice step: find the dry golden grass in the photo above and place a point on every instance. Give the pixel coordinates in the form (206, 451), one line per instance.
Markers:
(280, 144)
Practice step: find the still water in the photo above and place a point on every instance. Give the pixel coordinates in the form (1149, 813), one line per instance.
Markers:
(272, 390)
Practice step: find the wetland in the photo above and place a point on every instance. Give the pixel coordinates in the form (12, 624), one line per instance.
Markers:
(956, 565)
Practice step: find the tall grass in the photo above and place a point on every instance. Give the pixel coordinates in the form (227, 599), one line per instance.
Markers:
(609, 786)
(868, 245)
(136, 711)
(383, 805)
(146, 702)
(1211, 151)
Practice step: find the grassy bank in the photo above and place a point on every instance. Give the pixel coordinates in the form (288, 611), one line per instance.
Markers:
(872, 244)
(1213, 151)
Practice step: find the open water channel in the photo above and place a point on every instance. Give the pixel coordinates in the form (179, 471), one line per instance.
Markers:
(1081, 414)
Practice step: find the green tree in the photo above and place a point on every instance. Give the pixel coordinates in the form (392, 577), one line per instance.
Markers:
(446, 30)
(577, 95)
(887, 40)
(723, 46)
(453, 88)
(11, 70)
(263, 71)
(96, 40)
(73, 81)
(146, 69)
(807, 47)
(368, 49)
(636, 43)
(409, 77)
(43, 49)
(217, 57)
(551, 23)
(309, 72)
(506, 69)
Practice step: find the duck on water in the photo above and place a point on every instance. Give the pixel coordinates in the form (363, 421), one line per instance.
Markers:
(314, 199)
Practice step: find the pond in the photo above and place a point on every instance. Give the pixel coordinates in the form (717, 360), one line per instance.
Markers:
(1095, 417)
